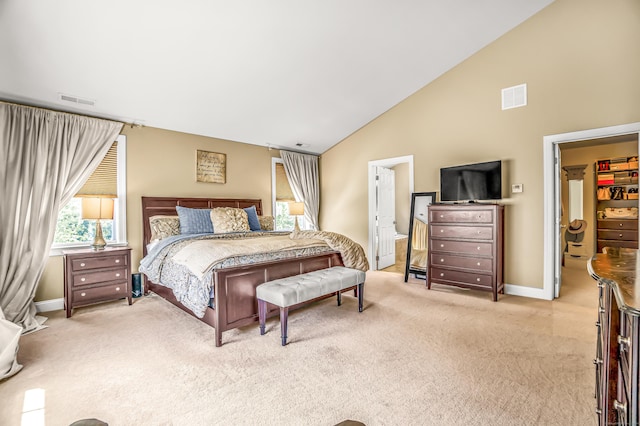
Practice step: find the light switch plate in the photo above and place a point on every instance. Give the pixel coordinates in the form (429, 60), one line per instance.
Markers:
(516, 187)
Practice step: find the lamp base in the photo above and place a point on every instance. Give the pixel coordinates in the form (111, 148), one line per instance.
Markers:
(296, 228)
(98, 241)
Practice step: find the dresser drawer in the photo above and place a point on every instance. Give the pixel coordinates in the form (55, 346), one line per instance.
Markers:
(98, 262)
(465, 232)
(480, 264)
(98, 294)
(616, 243)
(618, 224)
(462, 247)
(614, 234)
(468, 278)
(461, 216)
(99, 276)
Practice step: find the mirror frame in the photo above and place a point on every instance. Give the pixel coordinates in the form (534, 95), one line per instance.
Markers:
(419, 207)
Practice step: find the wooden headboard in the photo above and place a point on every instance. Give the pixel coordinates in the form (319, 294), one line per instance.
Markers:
(152, 206)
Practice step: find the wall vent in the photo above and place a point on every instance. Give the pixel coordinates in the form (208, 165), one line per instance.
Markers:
(76, 100)
(514, 97)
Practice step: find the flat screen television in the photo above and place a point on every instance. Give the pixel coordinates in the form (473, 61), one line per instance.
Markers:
(471, 182)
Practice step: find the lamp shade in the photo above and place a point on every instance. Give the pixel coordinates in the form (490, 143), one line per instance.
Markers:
(296, 209)
(97, 208)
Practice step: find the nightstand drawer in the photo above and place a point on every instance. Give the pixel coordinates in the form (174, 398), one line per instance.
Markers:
(98, 294)
(467, 232)
(98, 262)
(99, 276)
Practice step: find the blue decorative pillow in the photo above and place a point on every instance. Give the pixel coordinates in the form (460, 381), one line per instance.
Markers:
(194, 221)
(252, 215)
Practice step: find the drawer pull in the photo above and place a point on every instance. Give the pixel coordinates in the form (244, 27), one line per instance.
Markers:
(620, 235)
(624, 341)
(82, 264)
(478, 247)
(441, 216)
(117, 288)
(83, 294)
(597, 361)
(117, 260)
(478, 279)
(442, 260)
(442, 274)
(441, 245)
(479, 232)
(619, 405)
(118, 274)
(478, 263)
(620, 224)
(601, 310)
(598, 324)
(83, 279)
(442, 231)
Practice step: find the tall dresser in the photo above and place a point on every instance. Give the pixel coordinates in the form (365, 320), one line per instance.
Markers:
(466, 246)
(618, 336)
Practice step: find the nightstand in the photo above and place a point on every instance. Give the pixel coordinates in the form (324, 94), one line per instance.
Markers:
(92, 276)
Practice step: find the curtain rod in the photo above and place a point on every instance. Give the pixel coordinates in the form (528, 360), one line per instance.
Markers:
(70, 113)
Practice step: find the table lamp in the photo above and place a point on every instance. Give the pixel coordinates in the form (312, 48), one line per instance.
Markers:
(296, 209)
(98, 209)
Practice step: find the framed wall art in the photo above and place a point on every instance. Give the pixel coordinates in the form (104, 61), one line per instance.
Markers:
(211, 167)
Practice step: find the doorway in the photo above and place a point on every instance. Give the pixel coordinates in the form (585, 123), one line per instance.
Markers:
(553, 226)
(404, 180)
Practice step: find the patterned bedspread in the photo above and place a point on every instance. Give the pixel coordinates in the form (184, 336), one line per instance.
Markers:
(186, 263)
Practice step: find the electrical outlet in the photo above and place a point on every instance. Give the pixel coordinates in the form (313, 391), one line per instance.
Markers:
(516, 187)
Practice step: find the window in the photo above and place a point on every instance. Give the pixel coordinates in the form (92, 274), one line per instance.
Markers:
(71, 229)
(282, 195)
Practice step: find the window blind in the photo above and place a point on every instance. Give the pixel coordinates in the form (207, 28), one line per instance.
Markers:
(103, 181)
(283, 189)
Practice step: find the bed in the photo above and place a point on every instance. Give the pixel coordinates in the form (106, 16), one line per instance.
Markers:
(233, 303)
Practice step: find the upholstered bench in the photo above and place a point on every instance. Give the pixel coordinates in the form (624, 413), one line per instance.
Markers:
(290, 291)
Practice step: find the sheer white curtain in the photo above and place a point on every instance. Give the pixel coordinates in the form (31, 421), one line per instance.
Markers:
(302, 173)
(45, 157)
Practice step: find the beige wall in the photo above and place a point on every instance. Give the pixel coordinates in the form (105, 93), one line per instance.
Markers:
(575, 154)
(162, 163)
(579, 59)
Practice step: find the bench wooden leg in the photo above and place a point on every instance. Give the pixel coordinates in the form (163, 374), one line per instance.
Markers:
(339, 298)
(262, 314)
(360, 296)
(284, 316)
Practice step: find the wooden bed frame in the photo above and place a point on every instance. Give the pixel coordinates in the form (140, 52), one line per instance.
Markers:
(234, 288)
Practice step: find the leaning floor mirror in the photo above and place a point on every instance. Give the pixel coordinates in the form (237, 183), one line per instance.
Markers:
(417, 248)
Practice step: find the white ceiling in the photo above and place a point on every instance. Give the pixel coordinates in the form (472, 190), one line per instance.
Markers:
(271, 73)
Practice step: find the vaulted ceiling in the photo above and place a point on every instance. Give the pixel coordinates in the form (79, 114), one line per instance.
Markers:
(296, 74)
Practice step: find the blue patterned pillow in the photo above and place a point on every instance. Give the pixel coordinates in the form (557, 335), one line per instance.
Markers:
(252, 215)
(194, 221)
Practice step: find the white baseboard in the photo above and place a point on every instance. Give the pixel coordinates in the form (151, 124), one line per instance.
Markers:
(518, 290)
(50, 305)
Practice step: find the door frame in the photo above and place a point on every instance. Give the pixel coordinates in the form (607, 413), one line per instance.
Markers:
(551, 209)
(389, 163)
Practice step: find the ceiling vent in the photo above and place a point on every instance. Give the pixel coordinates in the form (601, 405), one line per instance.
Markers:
(76, 100)
(514, 97)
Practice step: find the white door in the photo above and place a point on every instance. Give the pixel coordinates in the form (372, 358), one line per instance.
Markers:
(386, 217)
(557, 246)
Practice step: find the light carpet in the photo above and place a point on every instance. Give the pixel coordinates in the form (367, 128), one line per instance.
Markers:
(444, 356)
